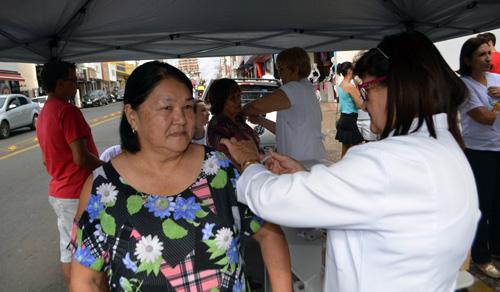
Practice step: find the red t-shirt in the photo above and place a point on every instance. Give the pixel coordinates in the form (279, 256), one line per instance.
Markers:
(495, 60)
(59, 124)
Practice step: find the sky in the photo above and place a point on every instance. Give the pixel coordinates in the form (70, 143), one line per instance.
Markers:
(207, 67)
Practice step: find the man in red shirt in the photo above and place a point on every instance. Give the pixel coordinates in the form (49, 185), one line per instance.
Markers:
(495, 56)
(68, 149)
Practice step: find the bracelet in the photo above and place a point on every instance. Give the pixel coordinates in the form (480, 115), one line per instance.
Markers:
(248, 162)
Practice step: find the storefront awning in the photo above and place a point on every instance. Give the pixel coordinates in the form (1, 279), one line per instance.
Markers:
(258, 59)
(11, 77)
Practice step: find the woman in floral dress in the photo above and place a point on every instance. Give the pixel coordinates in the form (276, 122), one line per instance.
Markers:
(163, 215)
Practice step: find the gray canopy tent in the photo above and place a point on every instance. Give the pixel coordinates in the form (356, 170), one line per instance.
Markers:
(36, 31)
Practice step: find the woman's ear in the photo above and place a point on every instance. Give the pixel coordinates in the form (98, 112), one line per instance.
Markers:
(467, 61)
(131, 115)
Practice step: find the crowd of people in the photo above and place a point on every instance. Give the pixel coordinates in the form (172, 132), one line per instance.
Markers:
(171, 206)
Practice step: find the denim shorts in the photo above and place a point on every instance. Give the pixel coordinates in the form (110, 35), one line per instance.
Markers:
(65, 211)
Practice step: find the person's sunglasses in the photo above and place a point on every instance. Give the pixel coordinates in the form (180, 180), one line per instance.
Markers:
(361, 86)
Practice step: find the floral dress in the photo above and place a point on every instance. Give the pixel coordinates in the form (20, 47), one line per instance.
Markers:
(188, 242)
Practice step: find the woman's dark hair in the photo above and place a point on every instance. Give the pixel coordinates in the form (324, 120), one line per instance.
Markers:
(419, 83)
(219, 91)
(195, 107)
(468, 48)
(343, 67)
(53, 71)
(140, 84)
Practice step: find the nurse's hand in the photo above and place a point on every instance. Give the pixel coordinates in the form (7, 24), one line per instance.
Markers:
(281, 164)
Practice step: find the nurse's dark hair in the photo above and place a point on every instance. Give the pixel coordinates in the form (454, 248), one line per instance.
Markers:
(140, 84)
(419, 83)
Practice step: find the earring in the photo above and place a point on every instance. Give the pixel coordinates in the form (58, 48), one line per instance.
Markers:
(133, 131)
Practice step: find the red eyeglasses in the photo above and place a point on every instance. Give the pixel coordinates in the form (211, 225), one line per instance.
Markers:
(361, 86)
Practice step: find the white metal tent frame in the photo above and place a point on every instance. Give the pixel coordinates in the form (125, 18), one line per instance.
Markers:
(36, 31)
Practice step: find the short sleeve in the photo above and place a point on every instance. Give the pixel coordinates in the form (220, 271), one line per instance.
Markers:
(87, 240)
(73, 124)
(472, 101)
(289, 90)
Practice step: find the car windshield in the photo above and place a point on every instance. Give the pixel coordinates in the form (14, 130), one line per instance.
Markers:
(2, 101)
(93, 94)
(254, 91)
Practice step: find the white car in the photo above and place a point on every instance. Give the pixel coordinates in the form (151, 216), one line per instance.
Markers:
(40, 100)
(17, 111)
(253, 88)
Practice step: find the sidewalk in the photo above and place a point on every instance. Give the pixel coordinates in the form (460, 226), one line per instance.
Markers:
(330, 116)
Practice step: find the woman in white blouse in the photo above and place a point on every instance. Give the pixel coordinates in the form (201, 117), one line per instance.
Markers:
(481, 130)
(401, 213)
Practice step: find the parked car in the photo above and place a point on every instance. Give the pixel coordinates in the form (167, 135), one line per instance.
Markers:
(40, 100)
(253, 88)
(120, 93)
(93, 98)
(17, 111)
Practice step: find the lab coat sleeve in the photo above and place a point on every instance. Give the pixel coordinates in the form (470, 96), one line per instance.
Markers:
(348, 194)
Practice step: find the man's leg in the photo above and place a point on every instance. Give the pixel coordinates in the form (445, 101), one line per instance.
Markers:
(65, 210)
(66, 271)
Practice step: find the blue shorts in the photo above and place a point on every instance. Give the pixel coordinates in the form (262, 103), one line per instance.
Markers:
(65, 211)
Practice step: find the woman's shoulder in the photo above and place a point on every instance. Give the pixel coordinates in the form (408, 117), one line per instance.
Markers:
(347, 86)
(466, 79)
(218, 118)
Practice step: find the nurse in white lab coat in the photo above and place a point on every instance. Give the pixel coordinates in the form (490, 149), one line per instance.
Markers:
(401, 213)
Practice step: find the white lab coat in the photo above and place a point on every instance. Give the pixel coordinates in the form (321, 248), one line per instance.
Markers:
(401, 213)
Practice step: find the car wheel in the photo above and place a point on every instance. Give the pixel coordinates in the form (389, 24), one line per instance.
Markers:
(33, 122)
(4, 130)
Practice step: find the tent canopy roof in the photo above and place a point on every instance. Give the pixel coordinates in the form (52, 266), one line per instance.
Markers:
(36, 31)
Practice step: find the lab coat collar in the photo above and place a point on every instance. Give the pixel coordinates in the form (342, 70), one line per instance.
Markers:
(440, 122)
